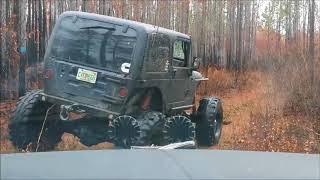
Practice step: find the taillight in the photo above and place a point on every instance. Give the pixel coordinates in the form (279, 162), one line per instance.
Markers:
(123, 92)
(48, 74)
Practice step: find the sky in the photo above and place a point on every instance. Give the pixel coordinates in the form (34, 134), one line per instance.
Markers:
(264, 3)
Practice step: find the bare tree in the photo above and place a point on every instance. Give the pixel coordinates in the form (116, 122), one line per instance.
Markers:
(312, 6)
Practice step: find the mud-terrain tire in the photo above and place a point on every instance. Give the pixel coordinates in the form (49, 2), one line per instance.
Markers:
(178, 129)
(151, 125)
(209, 124)
(26, 123)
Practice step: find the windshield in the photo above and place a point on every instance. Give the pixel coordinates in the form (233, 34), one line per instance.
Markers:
(94, 43)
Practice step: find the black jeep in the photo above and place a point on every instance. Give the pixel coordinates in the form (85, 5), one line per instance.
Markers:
(116, 80)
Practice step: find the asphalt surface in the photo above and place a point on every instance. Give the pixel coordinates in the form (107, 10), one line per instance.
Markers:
(159, 164)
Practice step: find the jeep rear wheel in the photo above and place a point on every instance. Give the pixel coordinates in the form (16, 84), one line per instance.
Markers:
(26, 124)
(209, 126)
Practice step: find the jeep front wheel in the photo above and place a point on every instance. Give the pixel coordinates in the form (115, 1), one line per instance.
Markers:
(26, 124)
(209, 125)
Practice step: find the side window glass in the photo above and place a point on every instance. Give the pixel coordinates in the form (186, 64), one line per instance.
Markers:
(180, 53)
(158, 54)
(178, 50)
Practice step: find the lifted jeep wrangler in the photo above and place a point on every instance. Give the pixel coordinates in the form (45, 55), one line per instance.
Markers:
(114, 80)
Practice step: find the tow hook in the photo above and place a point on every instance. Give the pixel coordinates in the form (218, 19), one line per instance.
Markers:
(64, 112)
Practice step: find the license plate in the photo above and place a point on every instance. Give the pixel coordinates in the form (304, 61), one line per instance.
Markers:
(86, 75)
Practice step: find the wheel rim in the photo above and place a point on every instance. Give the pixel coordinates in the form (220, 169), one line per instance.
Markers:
(178, 129)
(125, 131)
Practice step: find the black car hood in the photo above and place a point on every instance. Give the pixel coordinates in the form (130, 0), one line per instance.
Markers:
(159, 164)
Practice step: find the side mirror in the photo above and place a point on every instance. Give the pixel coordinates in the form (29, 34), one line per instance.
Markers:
(196, 63)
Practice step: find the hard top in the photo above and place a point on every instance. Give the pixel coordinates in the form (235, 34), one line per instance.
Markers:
(148, 28)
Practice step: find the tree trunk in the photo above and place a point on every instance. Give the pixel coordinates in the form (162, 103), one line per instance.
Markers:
(296, 20)
(288, 23)
(239, 33)
(1, 51)
(311, 38)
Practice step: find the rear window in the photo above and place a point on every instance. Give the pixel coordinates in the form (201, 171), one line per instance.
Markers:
(94, 43)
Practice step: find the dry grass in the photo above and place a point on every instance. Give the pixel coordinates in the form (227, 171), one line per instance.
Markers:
(259, 115)
(223, 82)
(70, 142)
(5, 109)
